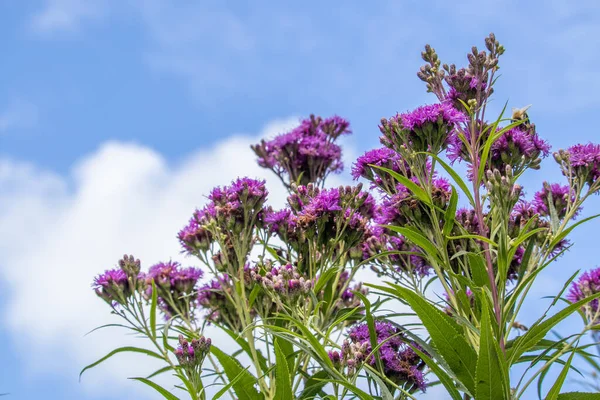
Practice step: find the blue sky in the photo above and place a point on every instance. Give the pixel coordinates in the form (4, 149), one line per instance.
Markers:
(117, 116)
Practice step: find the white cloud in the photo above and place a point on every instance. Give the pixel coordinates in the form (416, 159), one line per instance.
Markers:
(67, 15)
(58, 232)
(18, 114)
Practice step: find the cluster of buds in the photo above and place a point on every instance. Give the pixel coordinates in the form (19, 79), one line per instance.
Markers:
(176, 288)
(318, 216)
(581, 164)
(286, 282)
(587, 285)
(215, 298)
(502, 190)
(467, 85)
(307, 154)
(228, 219)
(190, 356)
(425, 129)
(116, 286)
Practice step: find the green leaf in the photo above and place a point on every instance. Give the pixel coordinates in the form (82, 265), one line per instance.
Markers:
(314, 385)
(444, 378)
(564, 233)
(459, 181)
(555, 389)
(125, 349)
(166, 394)
(246, 347)
(153, 310)
(244, 386)
(371, 326)
(490, 376)
(225, 388)
(410, 185)
(159, 371)
(446, 337)
(478, 270)
(539, 330)
(578, 396)
(416, 238)
(283, 380)
(450, 214)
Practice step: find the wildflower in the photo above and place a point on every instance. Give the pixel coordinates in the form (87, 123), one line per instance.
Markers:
(401, 363)
(383, 157)
(587, 285)
(113, 286)
(426, 128)
(176, 287)
(307, 154)
(581, 161)
(560, 196)
(190, 356)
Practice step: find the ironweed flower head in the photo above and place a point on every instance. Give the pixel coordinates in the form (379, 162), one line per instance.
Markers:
(582, 162)
(195, 237)
(286, 282)
(426, 128)
(383, 157)
(520, 149)
(190, 356)
(113, 286)
(176, 287)
(587, 285)
(560, 197)
(400, 362)
(307, 154)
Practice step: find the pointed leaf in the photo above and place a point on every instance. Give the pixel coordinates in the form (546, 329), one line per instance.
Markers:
(165, 393)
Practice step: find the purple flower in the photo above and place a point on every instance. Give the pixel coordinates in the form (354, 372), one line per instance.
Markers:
(400, 362)
(307, 154)
(175, 287)
(587, 285)
(383, 157)
(427, 128)
(560, 196)
(195, 237)
(583, 162)
(440, 113)
(112, 286)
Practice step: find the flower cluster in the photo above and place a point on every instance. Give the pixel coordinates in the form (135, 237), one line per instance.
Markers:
(385, 158)
(554, 196)
(176, 287)
(403, 208)
(517, 148)
(307, 154)
(319, 216)
(116, 286)
(190, 356)
(581, 162)
(228, 219)
(285, 281)
(587, 285)
(426, 128)
(401, 363)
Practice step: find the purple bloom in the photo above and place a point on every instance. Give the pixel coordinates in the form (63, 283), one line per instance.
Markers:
(426, 128)
(191, 355)
(441, 113)
(383, 157)
(584, 161)
(587, 285)
(175, 287)
(400, 362)
(560, 196)
(112, 286)
(307, 154)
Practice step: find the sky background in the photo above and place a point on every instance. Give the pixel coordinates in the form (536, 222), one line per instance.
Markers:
(118, 116)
